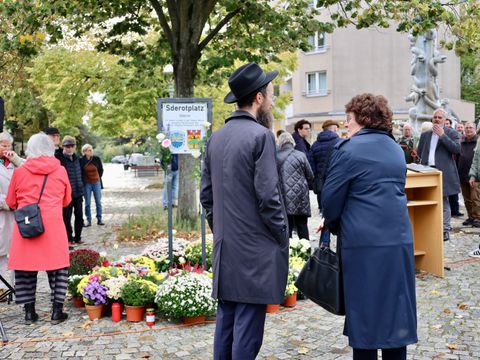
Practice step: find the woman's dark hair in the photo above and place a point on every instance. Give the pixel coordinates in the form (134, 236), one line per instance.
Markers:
(247, 101)
(371, 111)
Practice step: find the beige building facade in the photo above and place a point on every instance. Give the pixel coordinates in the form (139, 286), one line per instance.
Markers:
(349, 62)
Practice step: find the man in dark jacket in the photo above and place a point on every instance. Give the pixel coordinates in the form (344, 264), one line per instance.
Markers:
(319, 157)
(470, 195)
(406, 142)
(302, 132)
(240, 192)
(437, 148)
(71, 162)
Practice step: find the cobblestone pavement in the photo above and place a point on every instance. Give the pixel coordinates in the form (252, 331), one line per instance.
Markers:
(448, 308)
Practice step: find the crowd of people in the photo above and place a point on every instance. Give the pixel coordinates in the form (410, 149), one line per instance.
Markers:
(256, 193)
(455, 152)
(451, 150)
(57, 179)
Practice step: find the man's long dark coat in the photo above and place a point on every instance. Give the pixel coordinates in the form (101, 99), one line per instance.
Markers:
(241, 195)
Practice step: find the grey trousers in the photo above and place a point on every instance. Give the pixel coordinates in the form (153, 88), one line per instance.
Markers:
(447, 215)
(26, 285)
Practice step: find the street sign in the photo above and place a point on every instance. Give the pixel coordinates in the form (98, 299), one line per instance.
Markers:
(185, 122)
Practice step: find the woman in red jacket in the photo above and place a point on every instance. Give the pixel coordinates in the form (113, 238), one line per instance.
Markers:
(49, 251)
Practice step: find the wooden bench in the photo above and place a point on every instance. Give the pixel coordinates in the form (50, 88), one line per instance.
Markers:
(145, 170)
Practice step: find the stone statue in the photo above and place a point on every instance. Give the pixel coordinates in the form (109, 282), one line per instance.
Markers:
(424, 70)
(451, 114)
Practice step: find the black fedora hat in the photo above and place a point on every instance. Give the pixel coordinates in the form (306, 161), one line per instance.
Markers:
(245, 80)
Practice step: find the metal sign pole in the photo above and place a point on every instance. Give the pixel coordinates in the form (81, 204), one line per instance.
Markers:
(202, 223)
(170, 217)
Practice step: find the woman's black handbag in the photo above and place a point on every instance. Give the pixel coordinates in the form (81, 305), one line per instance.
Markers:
(29, 218)
(321, 280)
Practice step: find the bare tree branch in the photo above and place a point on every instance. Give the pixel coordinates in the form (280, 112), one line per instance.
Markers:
(163, 21)
(219, 26)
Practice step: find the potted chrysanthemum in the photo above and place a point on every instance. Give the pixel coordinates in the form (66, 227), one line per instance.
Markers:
(95, 297)
(290, 291)
(137, 293)
(72, 286)
(186, 295)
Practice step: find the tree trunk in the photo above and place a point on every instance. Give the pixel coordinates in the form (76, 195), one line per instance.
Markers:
(185, 69)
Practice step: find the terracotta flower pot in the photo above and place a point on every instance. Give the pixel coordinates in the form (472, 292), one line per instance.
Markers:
(190, 320)
(94, 311)
(77, 302)
(290, 300)
(135, 313)
(272, 308)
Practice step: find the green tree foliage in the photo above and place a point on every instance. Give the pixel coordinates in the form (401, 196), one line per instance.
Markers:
(231, 30)
(471, 81)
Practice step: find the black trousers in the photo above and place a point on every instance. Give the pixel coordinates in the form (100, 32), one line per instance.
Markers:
(454, 205)
(387, 354)
(26, 285)
(238, 331)
(75, 208)
(301, 223)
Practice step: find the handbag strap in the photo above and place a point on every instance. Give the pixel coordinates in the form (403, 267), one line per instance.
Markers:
(43, 187)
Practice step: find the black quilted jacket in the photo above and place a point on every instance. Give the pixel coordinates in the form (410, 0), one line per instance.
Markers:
(296, 178)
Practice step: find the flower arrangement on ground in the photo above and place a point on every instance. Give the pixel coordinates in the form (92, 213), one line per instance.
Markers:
(82, 261)
(290, 289)
(295, 265)
(300, 248)
(114, 287)
(159, 253)
(187, 294)
(193, 253)
(94, 293)
(145, 261)
(72, 285)
(138, 292)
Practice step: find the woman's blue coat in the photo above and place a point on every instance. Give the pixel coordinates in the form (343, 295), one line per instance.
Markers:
(364, 201)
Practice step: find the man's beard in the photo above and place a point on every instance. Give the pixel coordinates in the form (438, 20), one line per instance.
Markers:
(265, 118)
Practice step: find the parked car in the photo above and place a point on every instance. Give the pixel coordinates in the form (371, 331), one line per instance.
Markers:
(119, 159)
(134, 159)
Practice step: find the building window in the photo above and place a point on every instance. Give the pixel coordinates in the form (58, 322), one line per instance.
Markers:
(316, 83)
(317, 42)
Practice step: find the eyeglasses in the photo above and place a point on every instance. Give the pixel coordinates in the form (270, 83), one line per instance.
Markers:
(69, 146)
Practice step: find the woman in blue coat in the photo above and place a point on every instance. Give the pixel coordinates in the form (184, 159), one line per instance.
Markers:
(364, 202)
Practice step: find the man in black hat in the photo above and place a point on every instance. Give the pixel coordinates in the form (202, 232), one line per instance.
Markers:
(241, 195)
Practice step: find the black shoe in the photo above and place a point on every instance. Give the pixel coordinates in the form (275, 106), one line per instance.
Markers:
(100, 222)
(87, 224)
(446, 236)
(459, 214)
(476, 223)
(58, 315)
(30, 315)
(468, 222)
